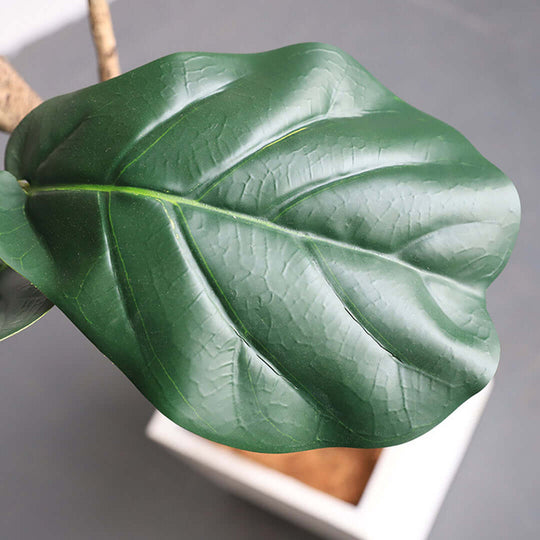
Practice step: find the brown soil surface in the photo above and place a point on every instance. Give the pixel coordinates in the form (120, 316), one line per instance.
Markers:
(341, 472)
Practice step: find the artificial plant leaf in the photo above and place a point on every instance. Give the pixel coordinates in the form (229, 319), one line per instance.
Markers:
(21, 304)
(275, 249)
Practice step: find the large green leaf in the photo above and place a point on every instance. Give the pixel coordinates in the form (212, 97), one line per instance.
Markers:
(21, 304)
(277, 251)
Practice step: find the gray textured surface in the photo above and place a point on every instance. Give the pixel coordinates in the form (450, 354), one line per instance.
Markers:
(73, 459)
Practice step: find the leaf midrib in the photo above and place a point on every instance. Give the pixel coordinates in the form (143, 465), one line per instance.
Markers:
(179, 200)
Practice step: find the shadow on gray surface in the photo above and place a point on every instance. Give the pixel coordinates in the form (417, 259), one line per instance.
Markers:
(76, 463)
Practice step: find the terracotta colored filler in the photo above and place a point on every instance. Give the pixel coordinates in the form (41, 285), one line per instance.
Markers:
(340, 472)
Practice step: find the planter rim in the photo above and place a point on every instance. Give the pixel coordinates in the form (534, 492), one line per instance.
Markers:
(402, 497)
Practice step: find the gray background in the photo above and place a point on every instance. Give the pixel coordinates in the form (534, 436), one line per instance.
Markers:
(74, 462)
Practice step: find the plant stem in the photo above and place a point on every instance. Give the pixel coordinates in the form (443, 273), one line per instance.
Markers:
(17, 99)
(104, 40)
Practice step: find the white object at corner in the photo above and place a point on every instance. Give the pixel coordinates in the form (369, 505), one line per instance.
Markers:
(25, 21)
(402, 498)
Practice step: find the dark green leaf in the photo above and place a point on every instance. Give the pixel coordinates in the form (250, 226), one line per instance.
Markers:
(21, 304)
(279, 252)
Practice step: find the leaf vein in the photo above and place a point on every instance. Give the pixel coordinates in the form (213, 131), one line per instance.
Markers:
(110, 230)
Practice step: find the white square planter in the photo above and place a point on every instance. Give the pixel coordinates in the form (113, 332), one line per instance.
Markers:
(401, 499)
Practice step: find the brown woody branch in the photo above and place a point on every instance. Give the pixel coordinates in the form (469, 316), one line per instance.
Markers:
(17, 99)
(104, 40)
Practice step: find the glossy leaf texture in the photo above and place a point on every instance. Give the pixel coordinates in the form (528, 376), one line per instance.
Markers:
(21, 304)
(279, 252)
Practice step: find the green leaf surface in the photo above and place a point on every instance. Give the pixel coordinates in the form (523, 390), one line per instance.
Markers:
(21, 304)
(279, 252)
